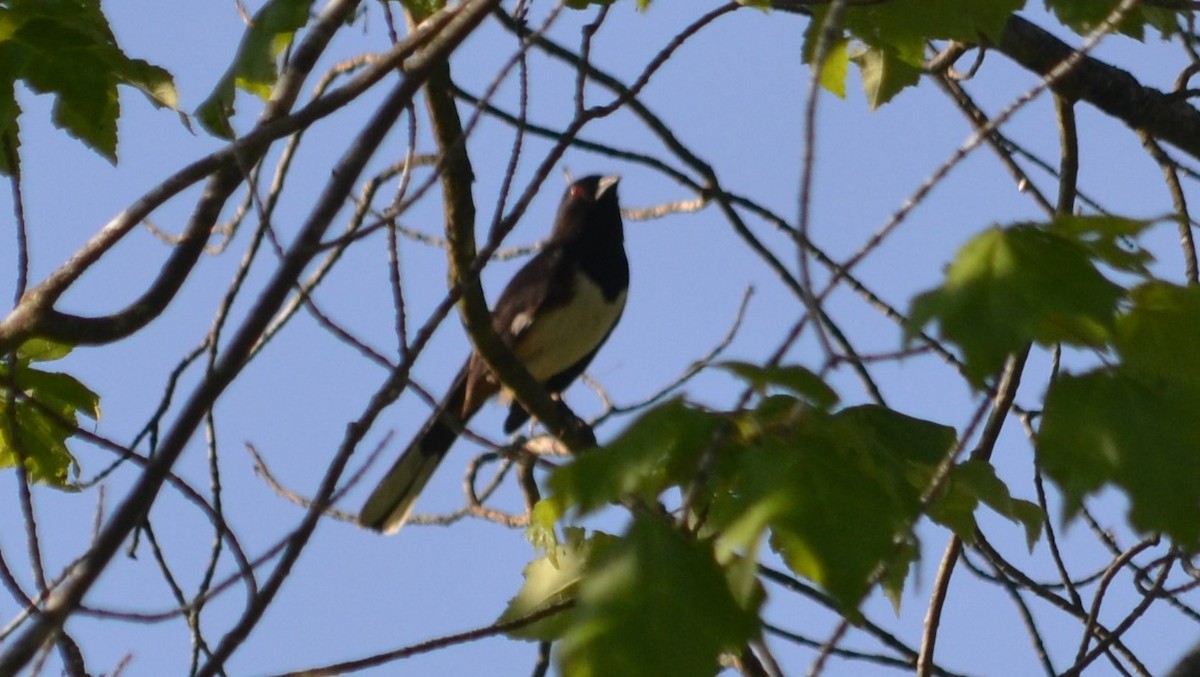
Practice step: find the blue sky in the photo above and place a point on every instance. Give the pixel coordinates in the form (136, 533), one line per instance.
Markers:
(734, 95)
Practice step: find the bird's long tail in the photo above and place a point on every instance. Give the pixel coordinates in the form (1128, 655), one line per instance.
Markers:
(392, 499)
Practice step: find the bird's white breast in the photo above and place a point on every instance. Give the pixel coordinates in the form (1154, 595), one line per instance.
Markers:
(560, 337)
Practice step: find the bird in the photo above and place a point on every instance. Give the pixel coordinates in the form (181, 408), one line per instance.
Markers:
(554, 315)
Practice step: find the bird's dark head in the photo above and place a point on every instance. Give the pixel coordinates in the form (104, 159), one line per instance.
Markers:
(589, 205)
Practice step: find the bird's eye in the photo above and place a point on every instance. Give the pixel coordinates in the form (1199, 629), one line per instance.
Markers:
(578, 192)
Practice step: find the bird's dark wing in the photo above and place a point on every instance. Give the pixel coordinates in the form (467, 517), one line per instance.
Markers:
(543, 282)
(546, 281)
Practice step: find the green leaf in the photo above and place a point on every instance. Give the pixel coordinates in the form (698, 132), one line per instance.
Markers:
(39, 440)
(1109, 427)
(66, 48)
(895, 435)
(792, 378)
(741, 575)
(808, 483)
(805, 477)
(1108, 239)
(978, 480)
(894, 36)
(954, 508)
(659, 449)
(1167, 22)
(907, 21)
(884, 74)
(553, 579)
(1010, 286)
(656, 604)
(420, 9)
(1085, 16)
(44, 413)
(1159, 337)
(906, 26)
(896, 572)
(816, 494)
(37, 436)
(812, 35)
(253, 68)
(42, 350)
(61, 392)
(156, 83)
(542, 520)
(836, 66)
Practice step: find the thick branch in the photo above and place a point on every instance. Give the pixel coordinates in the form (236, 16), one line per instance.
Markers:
(1112, 90)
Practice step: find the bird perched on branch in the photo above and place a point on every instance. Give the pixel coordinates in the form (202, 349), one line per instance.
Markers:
(554, 315)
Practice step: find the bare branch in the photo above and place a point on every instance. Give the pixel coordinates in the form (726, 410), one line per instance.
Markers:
(432, 645)
(464, 19)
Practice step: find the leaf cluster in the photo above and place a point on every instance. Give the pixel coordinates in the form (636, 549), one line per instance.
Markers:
(835, 492)
(1129, 423)
(888, 41)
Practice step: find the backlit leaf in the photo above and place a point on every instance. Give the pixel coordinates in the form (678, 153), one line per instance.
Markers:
(44, 413)
(978, 480)
(37, 439)
(1085, 16)
(658, 450)
(1108, 238)
(655, 604)
(884, 74)
(253, 68)
(65, 48)
(792, 378)
(1110, 427)
(1159, 337)
(42, 350)
(1011, 286)
(836, 66)
(553, 579)
(60, 392)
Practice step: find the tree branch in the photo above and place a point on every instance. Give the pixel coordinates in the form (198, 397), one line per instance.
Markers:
(1111, 89)
(35, 314)
(129, 513)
